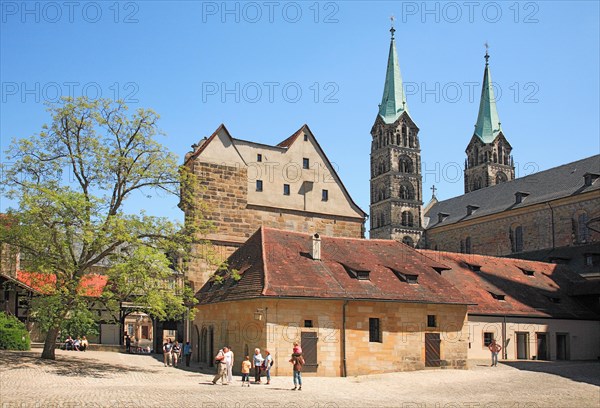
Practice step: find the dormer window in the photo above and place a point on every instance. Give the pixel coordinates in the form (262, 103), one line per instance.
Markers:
(406, 277)
(442, 216)
(527, 272)
(356, 273)
(520, 196)
(471, 209)
(497, 296)
(473, 267)
(589, 178)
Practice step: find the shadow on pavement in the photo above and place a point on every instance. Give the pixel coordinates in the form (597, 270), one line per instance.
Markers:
(581, 371)
(64, 366)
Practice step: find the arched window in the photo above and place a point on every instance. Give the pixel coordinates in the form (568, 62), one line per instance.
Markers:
(468, 245)
(407, 192)
(516, 238)
(477, 184)
(405, 165)
(501, 177)
(462, 246)
(381, 166)
(408, 241)
(407, 219)
(495, 157)
(404, 137)
(500, 153)
(411, 141)
(381, 193)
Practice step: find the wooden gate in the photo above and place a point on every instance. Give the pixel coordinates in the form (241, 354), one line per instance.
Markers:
(309, 351)
(432, 349)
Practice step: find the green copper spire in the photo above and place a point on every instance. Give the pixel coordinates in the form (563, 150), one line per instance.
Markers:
(488, 123)
(393, 102)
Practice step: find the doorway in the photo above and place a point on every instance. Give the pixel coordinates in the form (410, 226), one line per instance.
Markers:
(432, 349)
(309, 349)
(542, 346)
(522, 345)
(562, 346)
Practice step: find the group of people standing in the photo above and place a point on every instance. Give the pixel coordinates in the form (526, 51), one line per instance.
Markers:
(224, 361)
(172, 352)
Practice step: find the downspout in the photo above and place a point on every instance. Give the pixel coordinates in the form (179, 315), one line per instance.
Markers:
(343, 335)
(504, 340)
(552, 223)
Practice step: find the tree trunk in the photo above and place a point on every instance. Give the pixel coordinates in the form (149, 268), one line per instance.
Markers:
(50, 343)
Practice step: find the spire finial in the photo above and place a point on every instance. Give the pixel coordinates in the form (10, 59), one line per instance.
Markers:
(487, 56)
(392, 30)
(433, 190)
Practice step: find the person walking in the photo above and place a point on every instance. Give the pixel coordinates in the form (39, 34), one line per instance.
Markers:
(127, 343)
(257, 361)
(495, 349)
(298, 362)
(221, 367)
(167, 352)
(176, 353)
(187, 352)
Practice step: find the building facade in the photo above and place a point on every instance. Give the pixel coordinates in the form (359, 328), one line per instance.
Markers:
(356, 306)
(396, 184)
(243, 185)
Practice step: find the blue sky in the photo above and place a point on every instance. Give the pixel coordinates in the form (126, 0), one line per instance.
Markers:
(266, 68)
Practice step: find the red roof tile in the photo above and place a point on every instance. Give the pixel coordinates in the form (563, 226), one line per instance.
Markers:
(544, 294)
(91, 285)
(277, 263)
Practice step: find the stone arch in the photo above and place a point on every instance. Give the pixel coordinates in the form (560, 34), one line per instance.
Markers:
(408, 241)
(405, 164)
(501, 177)
(407, 191)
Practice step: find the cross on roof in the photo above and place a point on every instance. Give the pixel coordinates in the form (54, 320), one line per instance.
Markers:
(433, 190)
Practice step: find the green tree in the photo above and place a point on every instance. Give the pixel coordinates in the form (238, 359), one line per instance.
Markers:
(71, 182)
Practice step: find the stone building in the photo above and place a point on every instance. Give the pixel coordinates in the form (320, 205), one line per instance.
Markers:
(396, 186)
(243, 185)
(530, 308)
(552, 215)
(357, 306)
(488, 154)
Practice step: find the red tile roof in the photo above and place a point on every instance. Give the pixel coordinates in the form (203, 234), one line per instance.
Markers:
(91, 285)
(545, 294)
(277, 263)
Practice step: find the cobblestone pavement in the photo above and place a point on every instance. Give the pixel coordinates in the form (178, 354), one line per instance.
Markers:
(108, 379)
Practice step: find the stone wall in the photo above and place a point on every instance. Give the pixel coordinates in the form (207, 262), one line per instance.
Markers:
(490, 234)
(403, 328)
(222, 199)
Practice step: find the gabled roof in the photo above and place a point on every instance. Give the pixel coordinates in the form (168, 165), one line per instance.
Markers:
(529, 288)
(558, 182)
(277, 263)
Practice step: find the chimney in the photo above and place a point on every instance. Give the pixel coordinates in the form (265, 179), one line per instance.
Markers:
(316, 247)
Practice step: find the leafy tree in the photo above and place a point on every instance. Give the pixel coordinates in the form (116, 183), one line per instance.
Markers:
(13, 334)
(72, 182)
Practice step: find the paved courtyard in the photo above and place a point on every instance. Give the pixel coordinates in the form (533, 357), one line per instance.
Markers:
(108, 379)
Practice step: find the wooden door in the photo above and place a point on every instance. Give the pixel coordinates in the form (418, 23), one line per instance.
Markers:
(522, 346)
(308, 343)
(432, 349)
(542, 346)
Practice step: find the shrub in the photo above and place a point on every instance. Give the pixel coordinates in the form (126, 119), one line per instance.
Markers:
(13, 334)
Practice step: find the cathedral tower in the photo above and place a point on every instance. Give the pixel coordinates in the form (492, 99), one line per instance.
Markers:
(396, 190)
(488, 154)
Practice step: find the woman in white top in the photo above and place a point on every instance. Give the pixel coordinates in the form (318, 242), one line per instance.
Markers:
(257, 362)
(229, 365)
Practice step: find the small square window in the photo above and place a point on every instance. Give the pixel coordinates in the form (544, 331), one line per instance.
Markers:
(259, 157)
(374, 330)
(305, 163)
(325, 195)
(308, 323)
(259, 185)
(305, 137)
(286, 189)
(487, 338)
(431, 321)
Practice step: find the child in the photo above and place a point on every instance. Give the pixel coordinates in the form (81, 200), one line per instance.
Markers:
(297, 351)
(246, 364)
